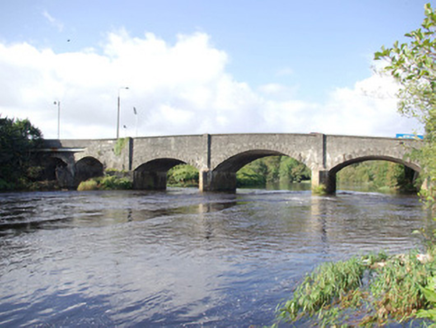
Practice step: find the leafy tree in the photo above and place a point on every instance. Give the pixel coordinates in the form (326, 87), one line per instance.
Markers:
(18, 139)
(183, 175)
(378, 175)
(272, 169)
(292, 170)
(250, 176)
(413, 66)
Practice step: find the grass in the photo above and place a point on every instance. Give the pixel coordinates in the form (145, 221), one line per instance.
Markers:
(369, 291)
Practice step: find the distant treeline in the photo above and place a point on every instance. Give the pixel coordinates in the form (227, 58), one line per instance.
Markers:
(378, 175)
(279, 169)
(272, 169)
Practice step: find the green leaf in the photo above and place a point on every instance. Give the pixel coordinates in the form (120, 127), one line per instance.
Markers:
(429, 294)
(429, 314)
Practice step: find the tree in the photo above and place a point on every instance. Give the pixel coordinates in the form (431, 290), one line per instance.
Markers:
(18, 139)
(413, 66)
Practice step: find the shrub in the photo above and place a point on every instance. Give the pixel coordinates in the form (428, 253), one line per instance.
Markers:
(113, 183)
(88, 185)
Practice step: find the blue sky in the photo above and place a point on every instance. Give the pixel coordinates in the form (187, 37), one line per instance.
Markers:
(201, 66)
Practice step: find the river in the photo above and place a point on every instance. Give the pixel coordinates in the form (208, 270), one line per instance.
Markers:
(181, 258)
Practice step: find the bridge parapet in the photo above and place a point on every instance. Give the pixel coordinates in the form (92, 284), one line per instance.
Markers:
(306, 148)
(190, 149)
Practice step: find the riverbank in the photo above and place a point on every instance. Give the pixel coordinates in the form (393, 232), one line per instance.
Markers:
(374, 289)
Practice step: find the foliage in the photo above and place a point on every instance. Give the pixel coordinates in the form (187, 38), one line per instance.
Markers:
(371, 290)
(183, 175)
(108, 182)
(292, 170)
(113, 182)
(378, 175)
(252, 175)
(88, 185)
(413, 66)
(272, 169)
(429, 292)
(319, 190)
(18, 140)
(119, 146)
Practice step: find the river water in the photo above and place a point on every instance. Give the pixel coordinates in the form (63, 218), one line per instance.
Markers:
(181, 258)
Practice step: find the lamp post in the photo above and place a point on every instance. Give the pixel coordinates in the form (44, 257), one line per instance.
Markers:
(118, 112)
(136, 121)
(59, 117)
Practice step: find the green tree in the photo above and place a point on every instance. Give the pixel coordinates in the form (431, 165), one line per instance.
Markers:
(292, 170)
(253, 174)
(18, 140)
(183, 175)
(272, 169)
(413, 66)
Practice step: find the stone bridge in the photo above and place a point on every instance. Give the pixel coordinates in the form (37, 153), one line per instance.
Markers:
(217, 157)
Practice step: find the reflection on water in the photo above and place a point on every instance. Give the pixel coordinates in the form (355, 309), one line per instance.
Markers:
(180, 258)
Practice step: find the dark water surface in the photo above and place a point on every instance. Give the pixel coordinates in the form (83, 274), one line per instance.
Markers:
(180, 258)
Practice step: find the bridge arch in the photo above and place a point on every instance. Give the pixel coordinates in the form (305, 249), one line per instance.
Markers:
(57, 169)
(51, 166)
(238, 161)
(223, 177)
(86, 168)
(152, 175)
(331, 179)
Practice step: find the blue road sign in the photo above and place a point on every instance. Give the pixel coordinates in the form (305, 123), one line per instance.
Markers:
(409, 136)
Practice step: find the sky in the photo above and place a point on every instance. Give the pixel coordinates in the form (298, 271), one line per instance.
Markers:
(198, 66)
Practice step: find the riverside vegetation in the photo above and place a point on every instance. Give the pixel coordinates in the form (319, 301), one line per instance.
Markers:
(18, 140)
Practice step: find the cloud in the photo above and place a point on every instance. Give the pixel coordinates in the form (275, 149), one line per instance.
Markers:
(53, 21)
(179, 88)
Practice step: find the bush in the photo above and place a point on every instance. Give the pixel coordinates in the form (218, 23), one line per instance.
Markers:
(109, 182)
(370, 291)
(183, 175)
(319, 190)
(88, 185)
(113, 183)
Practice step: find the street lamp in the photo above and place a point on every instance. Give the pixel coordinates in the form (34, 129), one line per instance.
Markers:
(59, 117)
(118, 112)
(136, 121)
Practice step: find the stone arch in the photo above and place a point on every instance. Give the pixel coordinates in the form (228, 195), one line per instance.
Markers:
(346, 163)
(56, 169)
(236, 162)
(50, 165)
(333, 171)
(223, 177)
(152, 175)
(87, 168)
